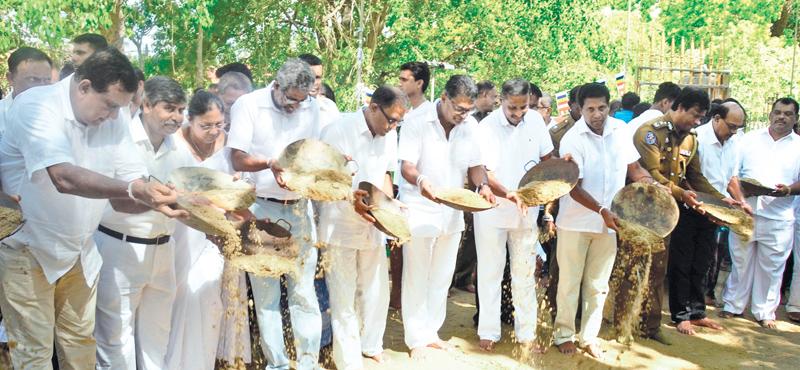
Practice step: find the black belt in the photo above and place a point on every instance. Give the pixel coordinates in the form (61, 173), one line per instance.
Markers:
(132, 239)
(281, 201)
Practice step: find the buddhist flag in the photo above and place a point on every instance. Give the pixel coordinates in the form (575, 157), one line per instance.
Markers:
(620, 77)
(562, 102)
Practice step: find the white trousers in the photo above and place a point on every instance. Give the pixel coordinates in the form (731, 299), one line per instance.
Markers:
(589, 259)
(428, 266)
(135, 292)
(197, 311)
(490, 244)
(758, 268)
(358, 282)
(793, 304)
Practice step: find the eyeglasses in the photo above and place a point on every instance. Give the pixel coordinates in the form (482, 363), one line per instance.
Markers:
(733, 128)
(458, 109)
(209, 126)
(391, 121)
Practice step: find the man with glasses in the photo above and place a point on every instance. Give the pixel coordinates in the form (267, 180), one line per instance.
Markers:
(545, 108)
(771, 156)
(668, 149)
(438, 149)
(263, 123)
(137, 284)
(358, 277)
(27, 68)
(692, 246)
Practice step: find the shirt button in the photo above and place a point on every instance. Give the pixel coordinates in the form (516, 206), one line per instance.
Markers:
(672, 173)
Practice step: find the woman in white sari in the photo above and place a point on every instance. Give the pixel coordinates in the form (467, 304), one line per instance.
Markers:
(201, 328)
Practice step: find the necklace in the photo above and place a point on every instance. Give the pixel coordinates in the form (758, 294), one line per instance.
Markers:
(197, 150)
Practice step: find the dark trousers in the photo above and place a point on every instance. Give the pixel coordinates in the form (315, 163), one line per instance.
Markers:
(628, 264)
(691, 252)
(467, 260)
(722, 257)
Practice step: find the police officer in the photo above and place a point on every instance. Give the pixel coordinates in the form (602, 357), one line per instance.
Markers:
(668, 149)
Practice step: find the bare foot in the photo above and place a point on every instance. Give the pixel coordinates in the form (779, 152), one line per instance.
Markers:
(768, 324)
(685, 327)
(711, 301)
(567, 348)
(794, 316)
(418, 353)
(486, 345)
(593, 350)
(440, 344)
(727, 314)
(379, 357)
(707, 323)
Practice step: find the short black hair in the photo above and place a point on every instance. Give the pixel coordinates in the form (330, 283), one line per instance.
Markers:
(535, 90)
(311, 59)
(691, 97)
(593, 90)
(461, 85)
(667, 90)
(573, 94)
(485, 86)
(234, 67)
(732, 100)
(640, 108)
(26, 53)
(139, 74)
(387, 96)
(420, 71)
(202, 102)
(787, 101)
(162, 88)
(328, 92)
(630, 99)
(96, 41)
(515, 87)
(106, 67)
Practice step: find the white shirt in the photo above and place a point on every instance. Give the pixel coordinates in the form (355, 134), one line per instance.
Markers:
(170, 156)
(43, 132)
(339, 224)
(328, 111)
(509, 151)
(716, 160)
(5, 105)
(444, 162)
(603, 167)
(551, 122)
(263, 130)
(770, 162)
(643, 118)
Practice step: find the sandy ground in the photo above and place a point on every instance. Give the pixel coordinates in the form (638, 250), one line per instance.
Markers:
(742, 345)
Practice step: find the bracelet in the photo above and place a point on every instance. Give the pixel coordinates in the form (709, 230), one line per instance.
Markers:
(420, 179)
(600, 211)
(130, 191)
(547, 217)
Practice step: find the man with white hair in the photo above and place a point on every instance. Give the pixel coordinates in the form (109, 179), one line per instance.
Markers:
(263, 123)
(232, 85)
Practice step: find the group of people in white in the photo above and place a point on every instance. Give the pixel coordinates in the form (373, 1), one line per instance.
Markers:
(103, 272)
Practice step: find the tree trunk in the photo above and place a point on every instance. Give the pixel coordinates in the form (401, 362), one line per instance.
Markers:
(199, 78)
(780, 25)
(116, 34)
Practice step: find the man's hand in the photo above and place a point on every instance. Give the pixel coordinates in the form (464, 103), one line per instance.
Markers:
(361, 207)
(521, 206)
(239, 218)
(747, 208)
(690, 199)
(609, 218)
(731, 202)
(486, 192)
(277, 171)
(782, 190)
(567, 157)
(158, 197)
(426, 190)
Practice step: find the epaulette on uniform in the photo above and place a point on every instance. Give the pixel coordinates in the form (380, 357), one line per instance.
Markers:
(661, 124)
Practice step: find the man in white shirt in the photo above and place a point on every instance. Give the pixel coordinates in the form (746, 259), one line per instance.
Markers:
(692, 247)
(439, 150)
(771, 156)
(72, 147)
(232, 85)
(358, 277)
(486, 101)
(136, 287)
(587, 244)
(328, 111)
(666, 93)
(512, 139)
(27, 68)
(263, 123)
(545, 108)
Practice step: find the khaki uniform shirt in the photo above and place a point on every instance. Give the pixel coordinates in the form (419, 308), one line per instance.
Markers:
(671, 157)
(558, 131)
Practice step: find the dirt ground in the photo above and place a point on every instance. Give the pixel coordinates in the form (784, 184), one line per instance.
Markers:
(742, 345)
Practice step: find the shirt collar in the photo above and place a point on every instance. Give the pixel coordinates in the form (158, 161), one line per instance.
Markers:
(708, 134)
(66, 102)
(361, 124)
(612, 124)
(139, 135)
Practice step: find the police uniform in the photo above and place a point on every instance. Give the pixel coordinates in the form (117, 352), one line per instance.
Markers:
(671, 159)
(558, 131)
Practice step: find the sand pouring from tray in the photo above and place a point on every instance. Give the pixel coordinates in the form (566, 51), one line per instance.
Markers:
(548, 181)
(647, 214)
(734, 218)
(10, 216)
(207, 194)
(267, 249)
(316, 171)
(388, 214)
